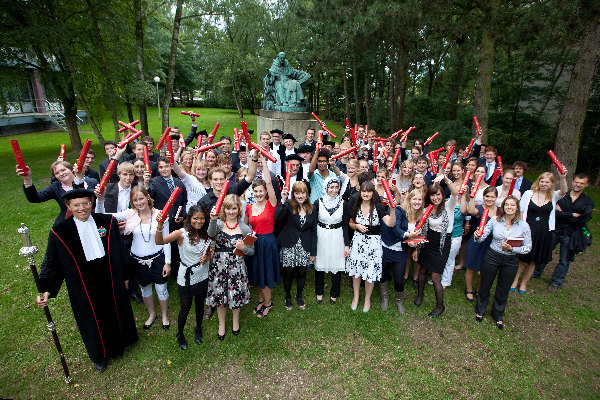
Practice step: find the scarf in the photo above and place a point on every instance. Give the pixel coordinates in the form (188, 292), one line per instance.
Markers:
(445, 223)
(331, 204)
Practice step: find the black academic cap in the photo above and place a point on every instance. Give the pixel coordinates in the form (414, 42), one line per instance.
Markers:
(77, 194)
(277, 131)
(203, 132)
(289, 136)
(250, 131)
(328, 143)
(304, 149)
(294, 157)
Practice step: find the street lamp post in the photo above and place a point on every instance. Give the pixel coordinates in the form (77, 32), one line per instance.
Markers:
(157, 79)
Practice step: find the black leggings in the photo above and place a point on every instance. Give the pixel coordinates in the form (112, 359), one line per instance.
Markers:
(186, 304)
(397, 271)
(300, 281)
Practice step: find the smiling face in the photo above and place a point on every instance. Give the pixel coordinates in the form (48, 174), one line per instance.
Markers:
(545, 184)
(416, 202)
(351, 170)
(63, 174)
(187, 159)
(366, 195)
(507, 180)
(211, 159)
(322, 164)
(414, 153)
(295, 166)
(138, 150)
(217, 179)
(81, 208)
(579, 184)
(480, 171)
(200, 172)
(333, 189)
(126, 179)
(489, 199)
(510, 208)
(407, 170)
(457, 171)
(164, 169)
(197, 220)
(265, 138)
(310, 135)
(288, 143)
(260, 193)
(471, 166)
(231, 213)
(300, 196)
(418, 181)
(138, 167)
(364, 166)
(490, 156)
(140, 202)
(421, 165)
(276, 137)
(436, 198)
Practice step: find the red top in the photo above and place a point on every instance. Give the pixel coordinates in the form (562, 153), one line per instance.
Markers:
(264, 222)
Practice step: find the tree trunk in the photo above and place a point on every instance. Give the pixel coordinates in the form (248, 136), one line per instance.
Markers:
(483, 86)
(129, 109)
(431, 75)
(456, 81)
(357, 103)
(346, 93)
(91, 118)
(112, 98)
(571, 120)
(238, 100)
(556, 74)
(368, 97)
(403, 89)
(70, 106)
(393, 97)
(139, 41)
(172, 58)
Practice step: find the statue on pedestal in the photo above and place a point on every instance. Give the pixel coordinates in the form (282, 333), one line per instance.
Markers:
(283, 87)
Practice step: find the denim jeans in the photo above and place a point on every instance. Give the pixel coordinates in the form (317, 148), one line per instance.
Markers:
(560, 273)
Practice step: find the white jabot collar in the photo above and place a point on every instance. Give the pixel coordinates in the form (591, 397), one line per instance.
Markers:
(90, 238)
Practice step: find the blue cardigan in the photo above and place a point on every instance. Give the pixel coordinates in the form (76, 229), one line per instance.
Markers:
(391, 236)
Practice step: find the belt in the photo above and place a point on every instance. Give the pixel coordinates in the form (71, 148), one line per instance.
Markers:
(147, 260)
(188, 271)
(224, 249)
(329, 226)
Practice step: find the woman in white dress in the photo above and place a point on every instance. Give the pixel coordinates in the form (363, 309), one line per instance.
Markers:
(364, 259)
(332, 239)
(503, 189)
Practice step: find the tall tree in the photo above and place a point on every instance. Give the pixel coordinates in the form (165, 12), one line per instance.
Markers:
(139, 42)
(172, 59)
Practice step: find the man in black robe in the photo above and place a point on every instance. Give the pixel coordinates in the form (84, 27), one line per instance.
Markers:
(86, 251)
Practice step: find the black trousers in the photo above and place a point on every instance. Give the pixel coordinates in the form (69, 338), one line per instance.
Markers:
(336, 280)
(503, 265)
(397, 269)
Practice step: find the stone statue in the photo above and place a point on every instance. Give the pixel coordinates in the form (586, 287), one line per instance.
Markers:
(283, 87)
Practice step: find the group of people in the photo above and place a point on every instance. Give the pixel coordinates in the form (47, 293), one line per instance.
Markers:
(332, 214)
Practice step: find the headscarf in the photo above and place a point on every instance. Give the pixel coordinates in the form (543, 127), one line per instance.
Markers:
(331, 203)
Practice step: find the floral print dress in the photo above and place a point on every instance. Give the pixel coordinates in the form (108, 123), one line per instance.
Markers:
(364, 260)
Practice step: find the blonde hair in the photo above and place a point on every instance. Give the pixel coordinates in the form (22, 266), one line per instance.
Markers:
(536, 185)
(65, 164)
(230, 201)
(126, 167)
(300, 187)
(406, 163)
(410, 213)
(187, 152)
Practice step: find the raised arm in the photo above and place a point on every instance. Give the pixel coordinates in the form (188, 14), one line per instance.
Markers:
(267, 178)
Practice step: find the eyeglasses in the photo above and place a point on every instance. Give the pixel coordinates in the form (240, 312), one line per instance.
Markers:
(78, 206)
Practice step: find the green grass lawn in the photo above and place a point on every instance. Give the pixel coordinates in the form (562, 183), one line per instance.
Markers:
(549, 348)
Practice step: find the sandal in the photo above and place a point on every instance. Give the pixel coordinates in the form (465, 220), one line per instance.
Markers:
(288, 304)
(467, 293)
(258, 308)
(301, 303)
(262, 313)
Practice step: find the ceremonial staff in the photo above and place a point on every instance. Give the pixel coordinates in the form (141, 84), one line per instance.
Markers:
(28, 251)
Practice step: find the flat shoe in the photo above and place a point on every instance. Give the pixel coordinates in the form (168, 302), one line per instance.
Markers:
(319, 301)
(221, 337)
(166, 327)
(236, 332)
(288, 304)
(522, 291)
(147, 326)
(353, 307)
(183, 345)
(467, 298)
(499, 325)
(332, 301)
(436, 312)
(513, 289)
(101, 366)
(198, 335)
(301, 303)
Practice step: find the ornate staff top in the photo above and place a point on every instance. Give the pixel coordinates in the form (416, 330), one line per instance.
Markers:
(28, 250)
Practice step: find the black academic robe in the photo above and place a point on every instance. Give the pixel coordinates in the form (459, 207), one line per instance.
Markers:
(96, 288)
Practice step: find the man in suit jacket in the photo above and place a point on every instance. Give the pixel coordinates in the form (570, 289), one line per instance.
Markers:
(117, 194)
(522, 184)
(149, 142)
(89, 160)
(489, 162)
(277, 148)
(138, 152)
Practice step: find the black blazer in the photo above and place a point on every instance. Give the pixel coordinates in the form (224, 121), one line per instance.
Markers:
(293, 231)
(159, 191)
(111, 197)
(525, 185)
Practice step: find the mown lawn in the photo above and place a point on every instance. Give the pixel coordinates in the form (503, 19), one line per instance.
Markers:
(549, 348)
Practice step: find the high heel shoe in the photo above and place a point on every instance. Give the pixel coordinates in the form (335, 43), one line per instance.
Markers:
(499, 325)
(221, 337)
(183, 345)
(478, 318)
(467, 293)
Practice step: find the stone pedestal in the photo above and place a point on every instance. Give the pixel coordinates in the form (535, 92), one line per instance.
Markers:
(295, 123)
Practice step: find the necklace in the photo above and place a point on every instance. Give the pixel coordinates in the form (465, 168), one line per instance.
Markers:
(232, 227)
(149, 228)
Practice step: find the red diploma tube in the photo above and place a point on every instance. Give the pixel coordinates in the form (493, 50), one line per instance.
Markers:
(426, 214)
(185, 112)
(18, 155)
(450, 151)
(431, 138)
(163, 137)
(288, 177)
(170, 150)
(512, 186)
(499, 160)
(146, 160)
(388, 193)
(130, 138)
(347, 124)
(475, 187)
(405, 135)
(221, 197)
(345, 152)
(477, 126)
(264, 152)
(366, 131)
(105, 178)
(353, 136)
(164, 214)
(375, 154)
(236, 139)
(469, 148)
(379, 139)
(385, 153)
(355, 128)
(83, 154)
(432, 161)
(495, 177)
(129, 127)
(182, 141)
(190, 113)
(63, 150)
(482, 222)
(464, 185)
(395, 159)
(212, 135)
(245, 133)
(329, 132)
(561, 168)
(211, 146)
